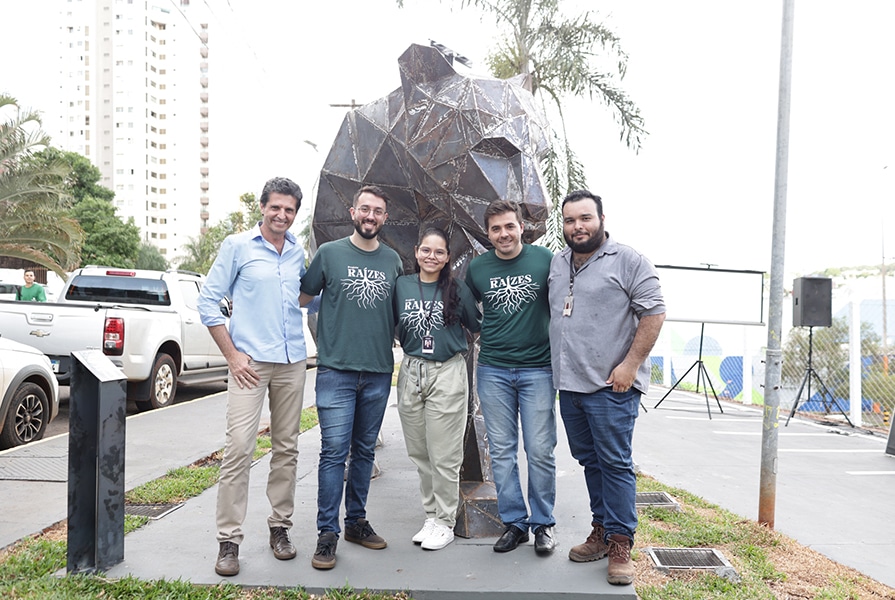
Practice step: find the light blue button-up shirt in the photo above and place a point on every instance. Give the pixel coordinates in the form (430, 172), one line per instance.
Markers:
(266, 321)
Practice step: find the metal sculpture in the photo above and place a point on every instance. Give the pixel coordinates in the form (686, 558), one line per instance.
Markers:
(442, 146)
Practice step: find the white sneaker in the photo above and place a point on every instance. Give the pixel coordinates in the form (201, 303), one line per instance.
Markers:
(425, 532)
(441, 536)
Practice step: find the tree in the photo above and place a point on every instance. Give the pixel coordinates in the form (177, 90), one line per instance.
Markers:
(201, 251)
(149, 257)
(829, 356)
(108, 240)
(33, 224)
(562, 56)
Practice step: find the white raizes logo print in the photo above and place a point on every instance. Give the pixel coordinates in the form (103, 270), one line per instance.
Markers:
(367, 286)
(414, 317)
(508, 294)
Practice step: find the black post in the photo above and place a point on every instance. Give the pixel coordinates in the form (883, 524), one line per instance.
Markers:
(96, 448)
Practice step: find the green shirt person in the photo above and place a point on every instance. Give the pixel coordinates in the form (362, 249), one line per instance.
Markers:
(31, 292)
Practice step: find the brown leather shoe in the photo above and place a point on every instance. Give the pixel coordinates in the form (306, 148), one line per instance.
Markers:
(228, 560)
(621, 567)
(281, 544)
(594, 548)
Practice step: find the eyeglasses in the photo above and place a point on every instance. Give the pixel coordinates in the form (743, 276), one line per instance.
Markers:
(365, 210)
(439, 253)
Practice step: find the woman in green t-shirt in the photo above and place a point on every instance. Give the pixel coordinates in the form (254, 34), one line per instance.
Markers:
(433, 308)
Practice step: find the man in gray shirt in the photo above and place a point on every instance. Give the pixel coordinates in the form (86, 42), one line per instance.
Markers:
(606, 311)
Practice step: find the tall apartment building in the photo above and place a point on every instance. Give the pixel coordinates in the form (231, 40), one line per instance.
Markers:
(134, 99)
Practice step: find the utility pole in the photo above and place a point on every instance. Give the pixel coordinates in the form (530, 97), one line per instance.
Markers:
(767, 497)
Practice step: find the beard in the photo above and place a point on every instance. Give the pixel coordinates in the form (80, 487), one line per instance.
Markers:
(367, 235)
(589, 245)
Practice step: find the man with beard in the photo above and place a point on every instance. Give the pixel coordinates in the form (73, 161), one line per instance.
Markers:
(606, 311)
(355, 330)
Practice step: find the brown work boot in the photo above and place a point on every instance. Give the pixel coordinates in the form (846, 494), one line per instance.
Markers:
(228, 560)
(281, 544)
(621, 567)
(594, 548)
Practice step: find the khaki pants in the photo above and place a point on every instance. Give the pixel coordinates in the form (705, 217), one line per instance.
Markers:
(284, 385)
(432, 404)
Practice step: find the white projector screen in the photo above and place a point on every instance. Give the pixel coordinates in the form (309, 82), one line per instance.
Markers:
(712, 295)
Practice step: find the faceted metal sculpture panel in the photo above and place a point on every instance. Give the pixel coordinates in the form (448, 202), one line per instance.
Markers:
(443, 146)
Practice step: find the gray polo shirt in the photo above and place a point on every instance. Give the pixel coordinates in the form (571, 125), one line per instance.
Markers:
(614, 288)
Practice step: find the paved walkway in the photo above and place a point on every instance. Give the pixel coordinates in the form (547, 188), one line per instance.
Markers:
(834, 492)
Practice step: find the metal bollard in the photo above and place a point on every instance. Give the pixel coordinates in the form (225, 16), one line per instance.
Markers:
(98, 406)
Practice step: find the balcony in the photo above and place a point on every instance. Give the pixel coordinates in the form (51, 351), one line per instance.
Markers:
(203, 52)
(203, 81)
(203, 126)
(203, 141)
(204, 186)
(203, 200)
(203, 215)
(203, 171)
(203, 96)
(203, 156)
(203, 112)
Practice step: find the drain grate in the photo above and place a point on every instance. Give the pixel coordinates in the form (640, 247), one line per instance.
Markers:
(656, 500)
(667, 559)
(34, 468)
(153, 511)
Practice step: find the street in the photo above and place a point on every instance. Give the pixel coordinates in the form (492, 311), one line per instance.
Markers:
(59, 425)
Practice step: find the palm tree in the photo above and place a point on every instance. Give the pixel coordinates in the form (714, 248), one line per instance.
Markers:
(562, 56)
(32, 197)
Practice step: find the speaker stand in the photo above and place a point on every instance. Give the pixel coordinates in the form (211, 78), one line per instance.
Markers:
(701, 373)
(806, 381)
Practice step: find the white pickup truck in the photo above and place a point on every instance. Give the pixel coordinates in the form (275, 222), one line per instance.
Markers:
(146, 322)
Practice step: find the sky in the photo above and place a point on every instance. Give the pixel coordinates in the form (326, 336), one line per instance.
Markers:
(705, 75)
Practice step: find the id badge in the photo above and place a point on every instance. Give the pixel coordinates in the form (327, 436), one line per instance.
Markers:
(567, 306)
(428, 344)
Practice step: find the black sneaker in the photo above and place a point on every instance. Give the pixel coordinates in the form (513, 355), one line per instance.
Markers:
(325, 554)
(362, 533)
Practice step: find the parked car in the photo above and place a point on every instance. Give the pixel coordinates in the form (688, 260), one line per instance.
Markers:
(29, 394)
(146, 322)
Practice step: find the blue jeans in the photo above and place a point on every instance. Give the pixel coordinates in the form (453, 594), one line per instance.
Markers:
(350, 407)
(600, 427)
(508, 396)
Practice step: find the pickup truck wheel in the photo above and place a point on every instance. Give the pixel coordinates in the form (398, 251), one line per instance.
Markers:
(162, 384)
(28, 416)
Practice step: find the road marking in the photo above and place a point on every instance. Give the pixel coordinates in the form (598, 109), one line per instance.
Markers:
(781, 434)
(829, 450)
(870, 472)
(714, 419)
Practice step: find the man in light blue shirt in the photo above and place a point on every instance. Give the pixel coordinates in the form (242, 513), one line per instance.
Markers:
(261, 271)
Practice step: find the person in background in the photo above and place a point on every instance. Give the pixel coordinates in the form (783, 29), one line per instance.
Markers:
(606, 311)
(433, 383)
(31, 291)
(261, 271)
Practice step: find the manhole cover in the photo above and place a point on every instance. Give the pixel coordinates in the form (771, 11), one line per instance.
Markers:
(656, 500)
(153, 511)
(709, 559)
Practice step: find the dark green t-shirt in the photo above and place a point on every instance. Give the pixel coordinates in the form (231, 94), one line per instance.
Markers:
(513, 293)
(418, 317)
(356, 322)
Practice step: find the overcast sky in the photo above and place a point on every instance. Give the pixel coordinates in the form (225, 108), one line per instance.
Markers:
(704, 73)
